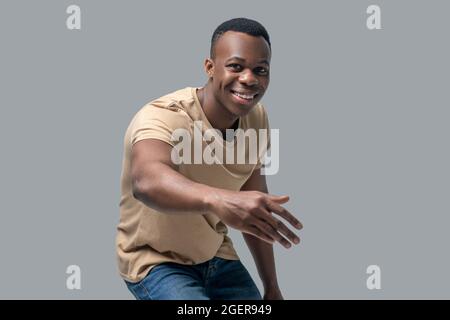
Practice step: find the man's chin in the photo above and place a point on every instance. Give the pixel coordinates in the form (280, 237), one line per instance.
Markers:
(241, 111)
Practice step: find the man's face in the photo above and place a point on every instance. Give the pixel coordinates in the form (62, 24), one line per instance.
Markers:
(239, 71)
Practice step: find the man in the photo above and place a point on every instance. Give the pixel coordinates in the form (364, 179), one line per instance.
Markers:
(172, 237)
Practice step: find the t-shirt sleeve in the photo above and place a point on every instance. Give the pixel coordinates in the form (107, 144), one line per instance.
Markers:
(153, 122)
(263, 146)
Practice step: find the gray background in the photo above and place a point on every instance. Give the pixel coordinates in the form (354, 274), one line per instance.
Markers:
(363, 118)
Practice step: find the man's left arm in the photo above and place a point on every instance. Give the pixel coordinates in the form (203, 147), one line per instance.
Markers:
(262, 251)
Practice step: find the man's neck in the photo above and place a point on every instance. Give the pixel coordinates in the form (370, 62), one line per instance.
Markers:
(219, 117)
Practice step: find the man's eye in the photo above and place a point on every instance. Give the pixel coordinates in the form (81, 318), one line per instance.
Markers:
(235, 67)
(262, 70)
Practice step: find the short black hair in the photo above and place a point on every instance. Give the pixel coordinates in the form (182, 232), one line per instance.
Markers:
(244, 25)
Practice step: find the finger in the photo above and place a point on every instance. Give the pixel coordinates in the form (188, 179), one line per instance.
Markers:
(268, 224)
(278, 199)
(276, 208)
(281, 227)
(259, 234)
(269, 230)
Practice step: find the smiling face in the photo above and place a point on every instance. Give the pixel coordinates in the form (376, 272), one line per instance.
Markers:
(239, 71)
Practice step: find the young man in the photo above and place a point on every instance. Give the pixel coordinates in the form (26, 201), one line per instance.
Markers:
(172, 238)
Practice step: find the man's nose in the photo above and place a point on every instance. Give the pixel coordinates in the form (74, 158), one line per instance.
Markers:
(247, 77)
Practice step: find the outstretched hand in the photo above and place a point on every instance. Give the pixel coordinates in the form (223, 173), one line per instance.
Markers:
(251, 212)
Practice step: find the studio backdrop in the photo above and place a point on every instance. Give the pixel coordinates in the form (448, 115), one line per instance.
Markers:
(359, 94)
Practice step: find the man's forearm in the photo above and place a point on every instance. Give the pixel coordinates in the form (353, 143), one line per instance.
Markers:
(169, 191)
(263, 256)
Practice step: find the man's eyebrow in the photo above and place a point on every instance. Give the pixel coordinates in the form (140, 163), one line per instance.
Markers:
(242, 59)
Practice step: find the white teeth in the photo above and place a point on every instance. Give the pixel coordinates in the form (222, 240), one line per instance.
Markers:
(243, 96)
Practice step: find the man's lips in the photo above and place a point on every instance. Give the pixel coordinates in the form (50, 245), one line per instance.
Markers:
(244, 99)
(246, 95)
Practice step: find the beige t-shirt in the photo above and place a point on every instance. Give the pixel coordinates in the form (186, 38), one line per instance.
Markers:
(147, 237)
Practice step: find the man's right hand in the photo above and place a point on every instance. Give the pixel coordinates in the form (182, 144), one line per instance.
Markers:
(251, 212)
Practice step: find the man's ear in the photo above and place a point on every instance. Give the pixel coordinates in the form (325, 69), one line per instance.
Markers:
(209, 67)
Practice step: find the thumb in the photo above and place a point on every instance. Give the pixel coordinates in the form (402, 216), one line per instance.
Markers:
(279, 199)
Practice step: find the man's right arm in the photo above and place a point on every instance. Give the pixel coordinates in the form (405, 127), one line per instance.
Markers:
(158, 184)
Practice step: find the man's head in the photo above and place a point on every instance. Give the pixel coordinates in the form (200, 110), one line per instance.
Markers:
(238, 68)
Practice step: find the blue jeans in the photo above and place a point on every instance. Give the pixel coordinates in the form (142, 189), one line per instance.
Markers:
(216, 279)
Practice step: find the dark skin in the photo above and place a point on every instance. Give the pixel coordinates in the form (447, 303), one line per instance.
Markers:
(240, 64)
